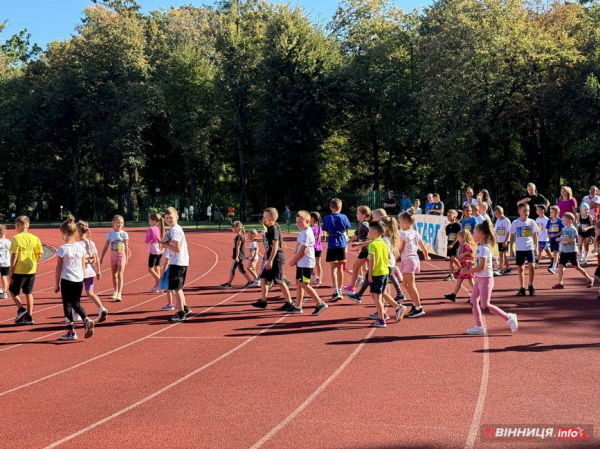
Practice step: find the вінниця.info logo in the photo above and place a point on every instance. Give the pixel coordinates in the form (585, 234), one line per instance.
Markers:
(545, 432)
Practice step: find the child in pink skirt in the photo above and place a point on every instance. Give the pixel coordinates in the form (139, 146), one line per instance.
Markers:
(410, 243)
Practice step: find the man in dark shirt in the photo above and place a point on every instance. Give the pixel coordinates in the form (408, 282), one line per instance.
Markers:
(390, 204)
(534, 199)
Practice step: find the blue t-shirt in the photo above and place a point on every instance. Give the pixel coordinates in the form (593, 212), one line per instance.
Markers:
(405, 203)
(336, 225)
(468, 224)
(569, 232)
(428, 207)
(554, 227)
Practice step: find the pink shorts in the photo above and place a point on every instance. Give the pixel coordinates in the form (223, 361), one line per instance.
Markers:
(117, 256)
(410, 265)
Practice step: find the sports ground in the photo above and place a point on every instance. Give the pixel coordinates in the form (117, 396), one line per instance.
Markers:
(236, 377)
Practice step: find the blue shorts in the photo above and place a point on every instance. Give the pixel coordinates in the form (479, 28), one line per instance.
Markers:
(543, 245)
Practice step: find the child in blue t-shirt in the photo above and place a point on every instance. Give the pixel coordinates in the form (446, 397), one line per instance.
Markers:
(554, 228)
(336, 226)
(468, 223)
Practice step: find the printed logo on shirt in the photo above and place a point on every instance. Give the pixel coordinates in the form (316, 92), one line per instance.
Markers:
(554, 228)
(524, 231)
(451, 237)
(501, 231)
(541, 226)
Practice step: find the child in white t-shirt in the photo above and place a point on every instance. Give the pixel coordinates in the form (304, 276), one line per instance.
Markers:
(4, 261)
(253, 255)
(525, 231)
(543, 240)
(501, 229)
(484, 281)
(70, 266)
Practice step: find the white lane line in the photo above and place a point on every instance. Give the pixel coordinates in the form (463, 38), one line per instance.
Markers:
(195, 338)
(164, 389)
(316, 393)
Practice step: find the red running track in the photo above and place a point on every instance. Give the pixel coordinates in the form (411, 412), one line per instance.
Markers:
(236, 377)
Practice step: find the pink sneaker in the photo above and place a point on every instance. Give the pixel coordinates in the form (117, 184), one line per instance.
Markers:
(348, 288)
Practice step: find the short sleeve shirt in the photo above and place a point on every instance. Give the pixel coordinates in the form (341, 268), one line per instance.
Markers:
(380, 250)
(534, 201)
(273, 234)
(26, 246)
(317, 232)
(90, 251)
(411, 244)
(566, 206)
(502, 228)
(117, 240)
(542, 222)
(336, 225)
(406, 204)
(437, 209)
(72, 255)
(181, 258)
(452, 230)
(569, 232)
(523, 231)
(390, 204)
(4, 253)
(554, 227)
(484, 252)
(241, 241)
(306, 238)
(468, 224)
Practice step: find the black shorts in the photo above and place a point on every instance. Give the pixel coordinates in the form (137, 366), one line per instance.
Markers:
(452, 251)
(364, 254)
(275, 274)
(523, 256)
(554, 245)
(177, 274)
(335, 255)
(502, 249)
(586, 234)
(21, 282)
(566, 258)
(318, 253)
(597, 272)
(303, 274)
(154, 260)
(378, 284)
(4, 271)
(237, 265)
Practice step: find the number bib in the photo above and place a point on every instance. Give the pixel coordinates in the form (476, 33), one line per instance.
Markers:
(117, 245)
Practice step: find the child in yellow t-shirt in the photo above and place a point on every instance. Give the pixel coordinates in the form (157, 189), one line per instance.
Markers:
(25, 252)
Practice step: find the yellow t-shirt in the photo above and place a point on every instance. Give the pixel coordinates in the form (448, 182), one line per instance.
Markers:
(26, 246)
(381, 251)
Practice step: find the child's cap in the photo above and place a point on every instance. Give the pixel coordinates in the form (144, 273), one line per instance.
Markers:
(585, 206)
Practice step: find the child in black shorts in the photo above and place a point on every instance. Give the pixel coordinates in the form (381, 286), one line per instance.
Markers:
(452, 230)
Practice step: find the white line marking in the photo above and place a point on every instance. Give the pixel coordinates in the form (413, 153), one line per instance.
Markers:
(194, 338)
(485, 374)
(162, 390)
(316, 393)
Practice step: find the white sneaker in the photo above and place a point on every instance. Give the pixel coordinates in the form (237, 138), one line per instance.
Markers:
(4, 296)
(512, 322)
(477, 330)
(76, 317)
(359, 281)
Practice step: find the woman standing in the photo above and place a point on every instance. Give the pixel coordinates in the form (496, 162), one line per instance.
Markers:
(566, 202)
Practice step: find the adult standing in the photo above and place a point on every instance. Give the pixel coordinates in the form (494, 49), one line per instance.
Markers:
(593, 200)
(192, 213)
(429, 204)
(469, 198)
(405, 202)
(484, 196)
(534, 199)
(566, 202)
(209, 212)
(390, 203)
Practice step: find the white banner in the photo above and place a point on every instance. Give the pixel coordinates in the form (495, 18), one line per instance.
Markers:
(433, 232)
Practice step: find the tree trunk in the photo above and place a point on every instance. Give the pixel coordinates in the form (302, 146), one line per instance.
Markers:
(36, 211)
(545, 156)
(239, 114)
(375, 148)
(194, 189)
(75, 183)
(129, 196)
(484, 148)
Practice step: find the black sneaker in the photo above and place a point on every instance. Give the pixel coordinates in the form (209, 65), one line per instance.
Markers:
(249, 284)
(260, 304)
(507, 270)
(295, 310)
(286, 307)
(20, 314)
(320, 308)
(179, 316)
(337, 295)
(400, 298)
(451, 297)
(531, 290)
(354, 297)
(416, 313)
(187, 311)
(26, 319)
(521, 292)
(226, 285)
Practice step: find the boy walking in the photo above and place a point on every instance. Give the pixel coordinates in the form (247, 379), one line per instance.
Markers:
(501, 229)
(4, 262)
(525, 232)
(25, 252)
(554, 227)
(304, 261)
(542, 222)
(568, 252)
(336, 226)
(378, 270)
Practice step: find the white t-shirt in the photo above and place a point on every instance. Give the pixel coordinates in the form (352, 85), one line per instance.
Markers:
(182, 258)
(523, 231)
(117, 240)
(72, 255)
(479, 218)
(208, 211)
(501, 228)
(411, 244)
(90, 251)
(543, 234)
(588, 200)
(306, 238)
(484, 252)
(4, 253)
(391, 258)
(253, 249)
